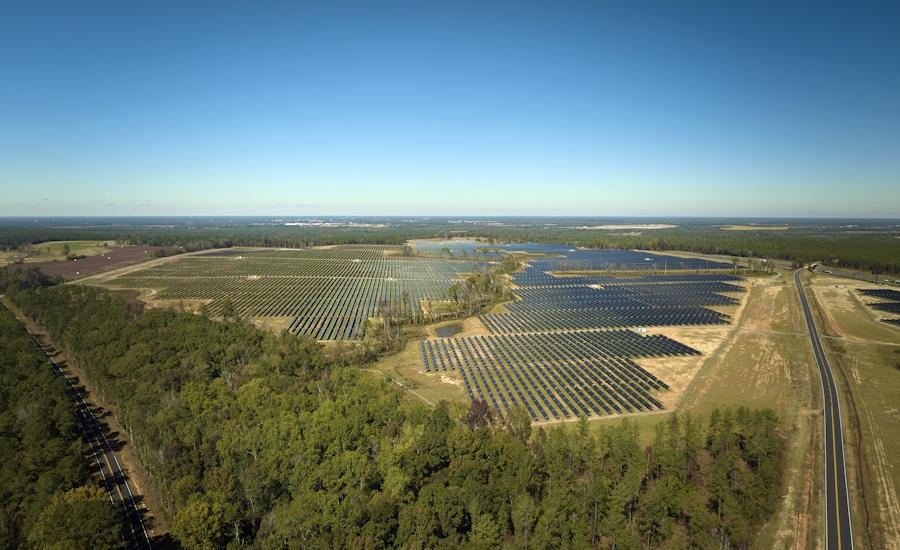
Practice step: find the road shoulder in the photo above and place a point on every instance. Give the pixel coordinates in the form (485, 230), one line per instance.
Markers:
(150, 505)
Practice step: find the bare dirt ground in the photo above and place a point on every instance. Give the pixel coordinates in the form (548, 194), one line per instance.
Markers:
(679, 372)
(470, 326)
(150, 504)
(103, 276)
(92, 265)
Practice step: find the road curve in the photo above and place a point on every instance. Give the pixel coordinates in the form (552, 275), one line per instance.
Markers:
(111, 473)
(837, 502)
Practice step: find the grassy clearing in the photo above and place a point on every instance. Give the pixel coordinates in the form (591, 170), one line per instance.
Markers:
(407, 368)
(53, 250)
(9, 256)
(767, 363)
(275, 324)
(866, 354)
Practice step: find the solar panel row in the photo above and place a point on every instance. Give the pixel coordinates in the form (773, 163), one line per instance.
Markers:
(582, 319)
(327, 293)
(890, 307)
(547, 352)
(556, 375)
(884, 293)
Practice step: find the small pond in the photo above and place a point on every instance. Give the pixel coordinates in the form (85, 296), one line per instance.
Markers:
(447, 331)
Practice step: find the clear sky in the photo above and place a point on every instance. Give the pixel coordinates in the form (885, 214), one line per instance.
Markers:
(450, 108)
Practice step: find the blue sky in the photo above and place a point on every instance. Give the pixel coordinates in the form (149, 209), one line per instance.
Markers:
(450, 108)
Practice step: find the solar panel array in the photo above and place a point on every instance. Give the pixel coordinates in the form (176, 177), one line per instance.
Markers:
(457, 249)
(556, 375)
(883, 293)
(554, 352)
(328, 293)
(574, 302)
(578, 259)
(892, 306)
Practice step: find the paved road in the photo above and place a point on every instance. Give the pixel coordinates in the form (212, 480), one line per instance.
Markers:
(837, 502)
(893, 280)
(110, 471)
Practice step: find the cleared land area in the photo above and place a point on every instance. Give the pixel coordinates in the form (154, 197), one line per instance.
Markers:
(106, 260)
(867, 354)
(760, 359)
(553, 350)
(766, 362)
(57, 250)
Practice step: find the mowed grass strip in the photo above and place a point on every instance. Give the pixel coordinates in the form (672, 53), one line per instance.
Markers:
(867, 352)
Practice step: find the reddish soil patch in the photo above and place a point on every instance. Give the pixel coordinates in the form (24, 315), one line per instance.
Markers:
(91, 265)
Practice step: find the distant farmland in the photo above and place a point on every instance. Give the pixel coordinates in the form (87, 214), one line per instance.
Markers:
(109, 258)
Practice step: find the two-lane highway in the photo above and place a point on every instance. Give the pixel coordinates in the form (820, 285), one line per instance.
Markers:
(837, 501)
(110, 472)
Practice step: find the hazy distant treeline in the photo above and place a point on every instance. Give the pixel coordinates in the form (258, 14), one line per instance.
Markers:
(875, 248)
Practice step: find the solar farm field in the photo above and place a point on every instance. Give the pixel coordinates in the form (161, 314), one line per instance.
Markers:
(566, 346)
(562, 374)
(327, 294)
(890, 304)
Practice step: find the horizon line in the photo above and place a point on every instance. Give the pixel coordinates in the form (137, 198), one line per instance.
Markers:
(461, 216)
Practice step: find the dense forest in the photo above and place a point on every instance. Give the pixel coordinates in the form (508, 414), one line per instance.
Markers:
(47, 498)
(259, 439)
(867, 245)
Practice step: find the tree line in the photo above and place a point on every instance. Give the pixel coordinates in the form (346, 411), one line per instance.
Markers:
(874, 247)
(47, 496)
(263, 440)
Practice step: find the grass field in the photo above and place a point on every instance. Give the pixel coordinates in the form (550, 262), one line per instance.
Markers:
(767, 363)
(867, 354)
(53, 250)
